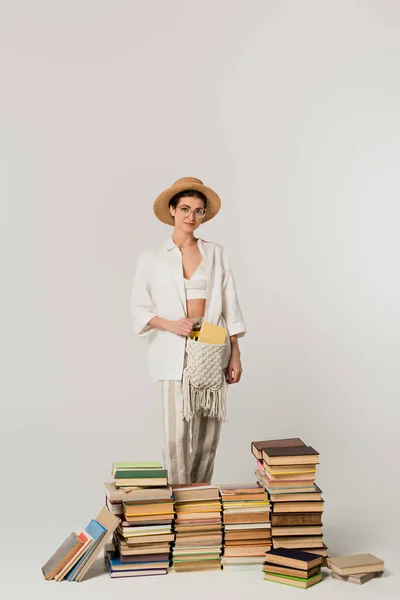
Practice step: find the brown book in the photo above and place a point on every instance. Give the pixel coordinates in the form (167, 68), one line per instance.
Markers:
(296, 559)
(355, 563)
(246, 518)
(294, 507)
(185, 539)
(144, 539)
(198, 521)
(190, 507)
(192, 556)
(300, 542)
(145, 557)
(142, 549)
(197, 528)
(249, 542)
(297, 455)
(359, 579)
(271, 568)
(195, 564)
(273, 486)
(279, 520)
(275, 480)
(182, 535)
(191, 548)
(246, 550)
(256, 447)
(323, 551)
(240, 497)
(249, 534)
(146, 502)
(287, 469)
(190, 486)
(196, 492)
(136, 493)
(297, 496)
(297, 530)
(244, 488)
(198, 516)
(142, 521)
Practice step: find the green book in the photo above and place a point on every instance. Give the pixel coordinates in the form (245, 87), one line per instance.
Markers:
(140, 473)
(306, 582)
(137, 465)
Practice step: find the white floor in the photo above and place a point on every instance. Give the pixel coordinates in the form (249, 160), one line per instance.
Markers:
(23, 578)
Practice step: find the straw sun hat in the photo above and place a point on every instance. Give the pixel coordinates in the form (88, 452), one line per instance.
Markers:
(161, 203)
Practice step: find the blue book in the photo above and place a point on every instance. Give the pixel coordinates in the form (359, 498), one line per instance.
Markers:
(97, 532)
(115, 561)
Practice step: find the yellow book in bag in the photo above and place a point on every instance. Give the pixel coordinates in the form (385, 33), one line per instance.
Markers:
(212, 334)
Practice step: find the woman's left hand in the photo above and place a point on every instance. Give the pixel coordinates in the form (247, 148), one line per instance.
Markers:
(234, 369)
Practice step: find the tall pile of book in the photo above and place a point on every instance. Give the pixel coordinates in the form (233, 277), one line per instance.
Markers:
(292, 567)
(141, 496)
(286, 468)
(246, 525)
(198, 528)
(77, 553)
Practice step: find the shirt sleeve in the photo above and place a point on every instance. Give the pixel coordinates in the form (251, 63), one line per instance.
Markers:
(230, 303)
(142, 305)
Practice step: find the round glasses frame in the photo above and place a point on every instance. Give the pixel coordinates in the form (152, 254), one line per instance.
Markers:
(199, 213)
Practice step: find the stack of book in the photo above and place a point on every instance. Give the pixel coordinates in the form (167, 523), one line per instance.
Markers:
(286, 468)
(198, 528)
(77, 553)
(355, 568)
(140, 494)
(292, 567)
(246, 526)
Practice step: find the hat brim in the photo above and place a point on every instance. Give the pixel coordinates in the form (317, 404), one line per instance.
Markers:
(161, 203)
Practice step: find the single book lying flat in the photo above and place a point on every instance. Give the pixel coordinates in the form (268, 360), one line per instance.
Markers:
(293, 558)
(256, 447)
(354, 564)
(290, 455)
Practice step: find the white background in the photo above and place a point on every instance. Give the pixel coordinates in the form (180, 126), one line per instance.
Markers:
(290, 111)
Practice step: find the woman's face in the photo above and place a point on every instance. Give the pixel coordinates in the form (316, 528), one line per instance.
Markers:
(188, 214)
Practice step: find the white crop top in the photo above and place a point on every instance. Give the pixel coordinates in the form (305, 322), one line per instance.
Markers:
(196, 286)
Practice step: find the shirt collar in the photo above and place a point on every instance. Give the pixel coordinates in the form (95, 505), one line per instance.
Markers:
(169, 244)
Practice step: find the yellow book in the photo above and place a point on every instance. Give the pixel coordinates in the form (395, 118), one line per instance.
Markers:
(199, 503)
(132, 515)
(212, 334)
(278, 471)
(189, 509)
(249, 504)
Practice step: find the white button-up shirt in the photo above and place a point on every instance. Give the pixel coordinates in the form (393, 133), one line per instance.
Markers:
(158, 289)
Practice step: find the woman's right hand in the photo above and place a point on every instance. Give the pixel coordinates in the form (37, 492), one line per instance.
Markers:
(182, 326)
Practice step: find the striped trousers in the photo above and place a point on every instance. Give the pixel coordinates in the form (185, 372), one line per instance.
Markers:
(189, 446)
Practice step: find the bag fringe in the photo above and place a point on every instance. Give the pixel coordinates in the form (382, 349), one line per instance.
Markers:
(211, 402)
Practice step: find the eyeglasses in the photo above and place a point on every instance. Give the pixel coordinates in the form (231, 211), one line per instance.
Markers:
(199, 213)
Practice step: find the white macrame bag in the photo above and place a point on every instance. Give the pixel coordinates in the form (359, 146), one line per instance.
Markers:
(204, 383)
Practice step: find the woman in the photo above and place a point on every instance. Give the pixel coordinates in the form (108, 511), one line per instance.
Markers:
(176, 286)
